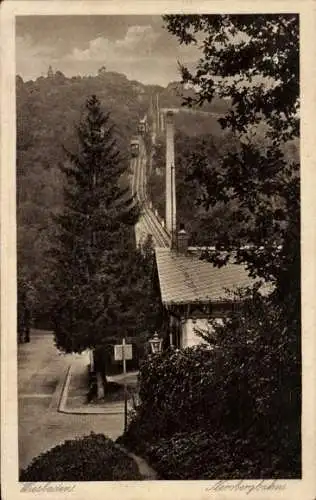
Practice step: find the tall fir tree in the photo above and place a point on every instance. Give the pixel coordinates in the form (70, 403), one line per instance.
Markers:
(95, 239)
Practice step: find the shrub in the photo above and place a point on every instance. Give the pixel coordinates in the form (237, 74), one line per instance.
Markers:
(91, 458)
(200, 455)
(187, 456)
(178, 387)
(244, 392)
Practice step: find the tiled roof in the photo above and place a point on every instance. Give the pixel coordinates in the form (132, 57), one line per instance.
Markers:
(184, 278)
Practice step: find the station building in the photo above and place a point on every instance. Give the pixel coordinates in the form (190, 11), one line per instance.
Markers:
(195, 292)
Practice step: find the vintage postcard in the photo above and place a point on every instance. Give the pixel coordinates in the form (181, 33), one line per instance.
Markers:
(158, 272)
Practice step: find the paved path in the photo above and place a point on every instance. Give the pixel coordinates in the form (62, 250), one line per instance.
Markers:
(74, 392)
(41, 377)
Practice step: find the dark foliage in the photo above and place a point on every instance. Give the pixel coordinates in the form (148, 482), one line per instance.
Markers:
(47, 110)
(253, 59)
(238, 395)
(251, 48)
(91, 458)
(95, 244)
(210, 455)
(205, 224)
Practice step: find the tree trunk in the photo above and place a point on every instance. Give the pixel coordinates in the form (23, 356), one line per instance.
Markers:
(99, 362)
(100, 385)
(105, 380)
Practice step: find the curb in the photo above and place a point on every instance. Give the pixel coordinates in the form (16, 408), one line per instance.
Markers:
(57, 398)
(110, 409)
(64, 392)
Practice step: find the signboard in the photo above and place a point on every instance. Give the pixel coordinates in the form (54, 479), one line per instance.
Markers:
(118, 352)
(123, 352)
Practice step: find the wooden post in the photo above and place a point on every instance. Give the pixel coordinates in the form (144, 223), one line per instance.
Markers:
(125, 391)
(100, 385)
(91, 360)
(171, 339)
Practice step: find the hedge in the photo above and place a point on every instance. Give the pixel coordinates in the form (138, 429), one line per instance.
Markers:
(197, 430)
(179, 388)
(201, 455)
(90, 458)
(236, 404)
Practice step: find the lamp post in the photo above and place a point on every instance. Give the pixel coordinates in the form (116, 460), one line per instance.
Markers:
(155, 344)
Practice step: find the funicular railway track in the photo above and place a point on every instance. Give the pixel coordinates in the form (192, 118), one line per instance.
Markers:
(159, 234)
(160, 122)
(150, 223)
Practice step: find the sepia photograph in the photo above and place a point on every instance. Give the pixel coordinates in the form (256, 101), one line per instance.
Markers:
(158, 249)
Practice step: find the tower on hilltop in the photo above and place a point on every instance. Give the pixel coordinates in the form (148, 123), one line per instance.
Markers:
(50, 72)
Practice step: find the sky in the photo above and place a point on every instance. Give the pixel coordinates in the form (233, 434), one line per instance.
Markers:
(137, 46)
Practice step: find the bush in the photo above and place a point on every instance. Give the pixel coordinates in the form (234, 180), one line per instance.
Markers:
(178, 387)
(242, 397)
(200, 455)
(91, 458)
(187, 456)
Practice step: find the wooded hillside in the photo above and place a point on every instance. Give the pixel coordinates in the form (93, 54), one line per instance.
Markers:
(48, 110)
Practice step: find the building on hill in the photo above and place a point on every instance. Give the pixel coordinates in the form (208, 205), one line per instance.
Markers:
(50, 72)
(194, 292)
